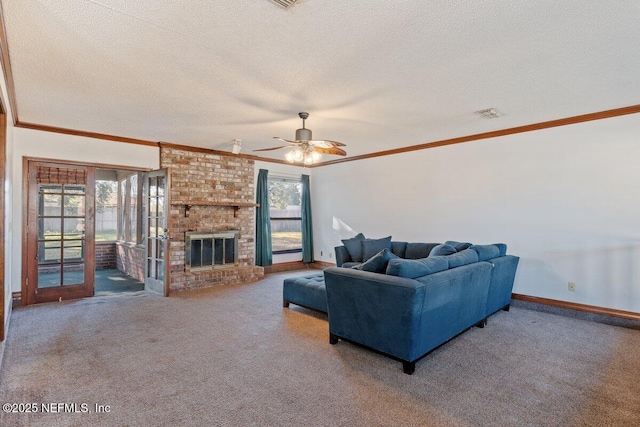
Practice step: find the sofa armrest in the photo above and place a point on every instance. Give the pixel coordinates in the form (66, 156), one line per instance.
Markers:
(406, 318)
(342, 255)
(376, 310)
(502, 278)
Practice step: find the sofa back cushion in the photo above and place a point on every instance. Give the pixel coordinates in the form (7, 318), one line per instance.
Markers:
(442, 250)
(370, 247)
(458, 246)
(464, 257)
(412, 268)
(418, 250)
(502, 248)
(486, 252)
(399, 248)
(354, 247)
(378, 262)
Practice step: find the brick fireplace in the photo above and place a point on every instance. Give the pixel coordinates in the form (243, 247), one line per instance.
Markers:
(210, 193)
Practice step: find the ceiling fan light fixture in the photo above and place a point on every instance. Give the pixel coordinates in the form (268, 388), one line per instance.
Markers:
(303, 134)
(290, 156)
(307, 150)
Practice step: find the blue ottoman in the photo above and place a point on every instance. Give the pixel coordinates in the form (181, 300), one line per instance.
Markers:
(307, 291)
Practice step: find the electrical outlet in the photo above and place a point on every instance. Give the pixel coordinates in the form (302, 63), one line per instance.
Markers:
(330, 255)
(572, 286)
(320, 253)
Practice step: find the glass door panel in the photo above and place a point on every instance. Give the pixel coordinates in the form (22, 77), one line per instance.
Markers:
(156, 237)
(60, 227)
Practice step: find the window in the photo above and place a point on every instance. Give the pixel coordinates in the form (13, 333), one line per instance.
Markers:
(129, 216)
(106, 210)
(285, 214)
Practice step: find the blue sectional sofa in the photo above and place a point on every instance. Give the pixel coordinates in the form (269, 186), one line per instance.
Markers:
(405, 307)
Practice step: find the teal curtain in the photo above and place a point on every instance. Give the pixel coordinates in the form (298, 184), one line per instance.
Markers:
(263, 222)
(307, 227)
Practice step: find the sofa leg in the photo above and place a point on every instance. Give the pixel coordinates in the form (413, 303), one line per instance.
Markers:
(481, 323)
(409, 367)
(285, 303)
(333, 339)
(506, 307)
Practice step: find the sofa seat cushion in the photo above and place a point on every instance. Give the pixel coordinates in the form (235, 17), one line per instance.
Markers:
(354, 247)
(467, 256)
(442, 250)
(371, 247)
(486, 252)
(378, 262)
(412, 268)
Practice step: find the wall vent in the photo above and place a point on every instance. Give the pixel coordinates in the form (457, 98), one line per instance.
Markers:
(285, 3)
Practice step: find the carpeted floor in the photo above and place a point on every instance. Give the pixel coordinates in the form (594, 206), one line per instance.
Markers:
(232, 356)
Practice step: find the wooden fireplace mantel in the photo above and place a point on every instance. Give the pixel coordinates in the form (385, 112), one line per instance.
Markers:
(235, 205)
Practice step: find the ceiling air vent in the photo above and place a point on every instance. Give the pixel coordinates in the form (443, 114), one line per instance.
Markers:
(488, 113)
(285, 3)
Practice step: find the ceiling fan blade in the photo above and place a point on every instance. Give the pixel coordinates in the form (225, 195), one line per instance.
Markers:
(331, 150)
(273, 148)
(326, 143)
(286, 140)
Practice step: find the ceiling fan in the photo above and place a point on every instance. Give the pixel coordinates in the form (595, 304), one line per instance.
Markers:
(307, 150)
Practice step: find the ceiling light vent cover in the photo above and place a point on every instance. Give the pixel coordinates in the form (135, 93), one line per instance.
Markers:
(285, 3)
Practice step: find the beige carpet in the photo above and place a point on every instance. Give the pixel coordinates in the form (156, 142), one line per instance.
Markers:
(232, 356)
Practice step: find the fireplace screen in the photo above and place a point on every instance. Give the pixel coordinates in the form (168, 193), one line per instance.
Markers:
(205, 251)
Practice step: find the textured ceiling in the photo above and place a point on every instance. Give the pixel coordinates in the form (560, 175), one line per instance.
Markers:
(376, 75)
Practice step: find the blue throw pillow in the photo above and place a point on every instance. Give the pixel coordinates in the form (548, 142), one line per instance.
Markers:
(370, 247)
(412, 268)
(354, 247)
(464, 257)
(458, 246)
(442, 250)
(378, 262)
(486, 252)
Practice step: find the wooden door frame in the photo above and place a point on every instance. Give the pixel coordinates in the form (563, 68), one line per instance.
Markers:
(31, 199)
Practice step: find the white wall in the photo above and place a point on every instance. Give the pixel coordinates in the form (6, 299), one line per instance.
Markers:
(32, 143)
(565, 200)
(282, 170)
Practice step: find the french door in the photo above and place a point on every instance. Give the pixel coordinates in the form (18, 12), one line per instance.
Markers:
(60, 232)
(156, 198)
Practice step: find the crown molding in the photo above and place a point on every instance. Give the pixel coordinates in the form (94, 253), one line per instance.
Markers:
(633, 109)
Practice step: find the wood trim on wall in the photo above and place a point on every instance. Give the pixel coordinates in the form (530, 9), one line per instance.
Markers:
(78, 163)
(628, 315)
(633, 109)
(54, 129)
(293, 265)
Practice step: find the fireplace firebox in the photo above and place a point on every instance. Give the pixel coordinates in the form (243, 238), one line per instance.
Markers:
(211, 250)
